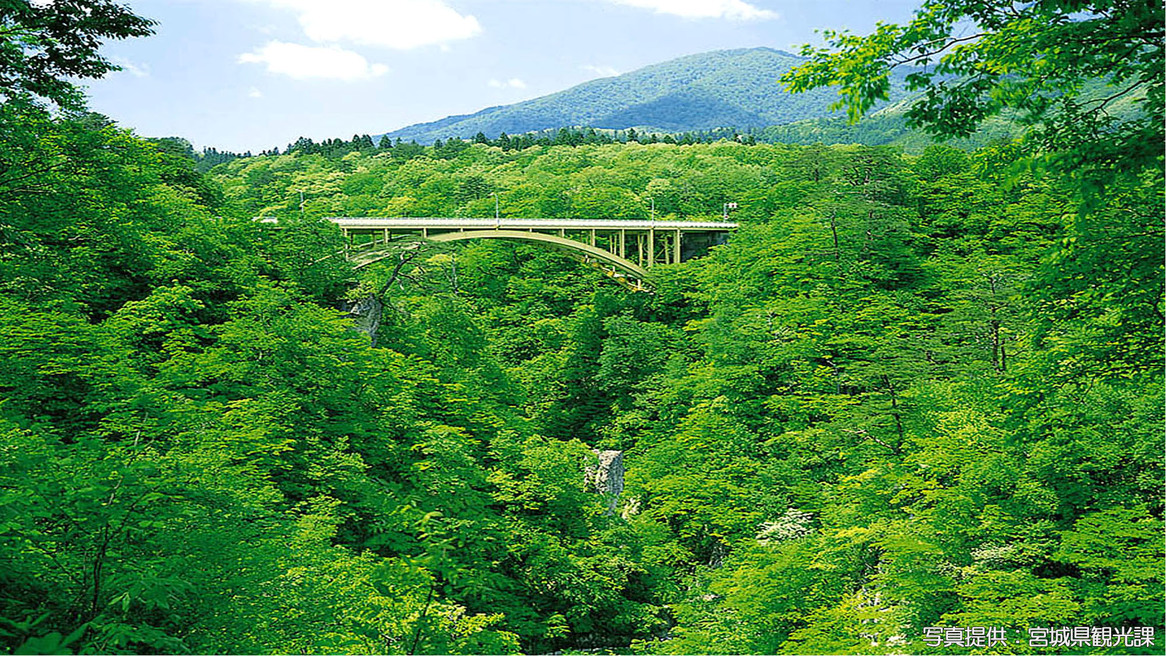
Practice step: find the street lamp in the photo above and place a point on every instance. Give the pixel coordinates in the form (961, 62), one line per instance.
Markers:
(497, 215)
(652, 216)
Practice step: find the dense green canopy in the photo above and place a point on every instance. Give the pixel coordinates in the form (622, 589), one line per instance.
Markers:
(911, 392)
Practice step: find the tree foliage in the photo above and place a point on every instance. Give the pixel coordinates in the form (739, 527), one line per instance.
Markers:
(973, 60)
(910, 392)
(44, 44)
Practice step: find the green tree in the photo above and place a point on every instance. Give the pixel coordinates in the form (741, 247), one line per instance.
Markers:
(974, 59)
(42, 45)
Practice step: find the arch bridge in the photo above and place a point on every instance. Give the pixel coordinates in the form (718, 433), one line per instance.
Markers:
(626, 250)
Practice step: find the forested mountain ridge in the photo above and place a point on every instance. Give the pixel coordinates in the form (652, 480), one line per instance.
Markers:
(728, 88)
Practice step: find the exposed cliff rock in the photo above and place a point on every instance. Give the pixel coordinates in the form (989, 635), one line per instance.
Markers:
(606, 477)
(366, 316)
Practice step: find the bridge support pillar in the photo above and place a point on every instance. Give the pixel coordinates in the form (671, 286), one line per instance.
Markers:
(651, 246)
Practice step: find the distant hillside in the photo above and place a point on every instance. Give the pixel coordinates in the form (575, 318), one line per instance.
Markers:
(888, 126)
(727, 88)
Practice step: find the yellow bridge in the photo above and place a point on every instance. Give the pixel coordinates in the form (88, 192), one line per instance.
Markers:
(625, 250)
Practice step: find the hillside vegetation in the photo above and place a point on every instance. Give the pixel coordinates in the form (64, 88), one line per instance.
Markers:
(913, 396)
(886, 375)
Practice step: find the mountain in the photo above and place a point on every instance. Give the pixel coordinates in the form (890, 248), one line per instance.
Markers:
(889, 125)
(726, 88)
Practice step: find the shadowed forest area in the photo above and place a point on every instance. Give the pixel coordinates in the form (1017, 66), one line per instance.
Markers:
(912, 391)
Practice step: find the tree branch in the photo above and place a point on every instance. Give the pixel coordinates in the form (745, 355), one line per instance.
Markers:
(932, 53)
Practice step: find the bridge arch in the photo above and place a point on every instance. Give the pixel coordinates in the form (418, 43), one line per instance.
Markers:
(624, 249)
(624, 271)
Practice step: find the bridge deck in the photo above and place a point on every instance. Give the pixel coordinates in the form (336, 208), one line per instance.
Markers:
(376, 223)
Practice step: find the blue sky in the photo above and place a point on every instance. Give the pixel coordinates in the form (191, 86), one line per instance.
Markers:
(253, 74)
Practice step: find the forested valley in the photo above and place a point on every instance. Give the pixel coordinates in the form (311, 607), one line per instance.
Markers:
(911, 391)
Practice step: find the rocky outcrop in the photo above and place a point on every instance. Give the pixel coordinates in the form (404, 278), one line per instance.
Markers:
(606, 477)
(366, 316)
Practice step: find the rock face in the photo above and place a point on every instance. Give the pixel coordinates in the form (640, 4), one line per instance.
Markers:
(366, 316)
(607, 477)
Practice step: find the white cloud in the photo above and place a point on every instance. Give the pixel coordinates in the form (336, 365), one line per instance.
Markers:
(512, 83)
(303, 62)
(601, 71)
(396, 24)
(732, 9)
(254, 92)
(130, 67)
